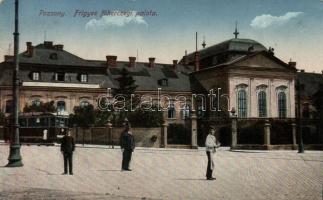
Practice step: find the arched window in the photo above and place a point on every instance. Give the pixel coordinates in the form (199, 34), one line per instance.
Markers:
(171, 111)
(282, 105)
(9, 106)
(186, 111)
(61, 106)
(36, 102)
(262, 104)
(242, 103)
(84, 103)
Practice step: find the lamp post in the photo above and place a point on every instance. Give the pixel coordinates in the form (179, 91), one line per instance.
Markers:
(233, 128)
(14, 155)
(299, 119)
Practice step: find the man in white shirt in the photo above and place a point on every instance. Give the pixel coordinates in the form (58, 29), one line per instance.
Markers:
(45, 136)
(210, 145)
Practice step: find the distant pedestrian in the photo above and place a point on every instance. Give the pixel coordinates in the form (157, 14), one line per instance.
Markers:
(45, 136)
(67, 149)
(211, 145)
(62, 132)
(127, 144)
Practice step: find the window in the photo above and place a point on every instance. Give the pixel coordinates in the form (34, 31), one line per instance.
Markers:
(60, 76)
(171, 111)
(163, 82)
(186, 112)
(9, 106)
(36, 102)
(84, 103)
(35, 76)
(83, 78)
(53, 56)
(262, 104)
(282, 105)
(61, 106)
(242, 103)
(200, 111)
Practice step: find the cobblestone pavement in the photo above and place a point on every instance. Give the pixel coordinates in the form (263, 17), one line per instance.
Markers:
(163, 174)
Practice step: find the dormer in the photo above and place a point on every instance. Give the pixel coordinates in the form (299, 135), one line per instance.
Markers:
(163, 82)
(53, 56)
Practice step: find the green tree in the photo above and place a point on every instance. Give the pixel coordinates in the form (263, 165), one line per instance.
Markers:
(42, 107)
(146, 118)
(126, 88)
(127, 85)
(83, 116)
(102, 117)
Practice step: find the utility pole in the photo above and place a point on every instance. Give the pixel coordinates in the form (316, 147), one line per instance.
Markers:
(14, 156)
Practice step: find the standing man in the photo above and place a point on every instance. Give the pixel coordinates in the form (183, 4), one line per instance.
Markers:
(67, 148)
(45, 136)
(127, 144)
(210, 145)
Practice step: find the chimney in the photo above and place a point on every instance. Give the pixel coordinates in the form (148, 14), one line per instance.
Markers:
(111, 61)
(48, 44)
(292, 64)
(175, 64)
(185, 59)
(151, 62)
(132, 61)
(8, 58)
(59, 47)
(30, 49)
(197, 61)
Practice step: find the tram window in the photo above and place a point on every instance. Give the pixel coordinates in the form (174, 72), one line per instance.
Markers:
(23, 122)
(44, 121)
(52, 121)
(31, 122)
(60, 122)
(38, 122)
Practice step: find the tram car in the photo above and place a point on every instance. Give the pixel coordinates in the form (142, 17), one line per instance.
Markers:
(42, 128)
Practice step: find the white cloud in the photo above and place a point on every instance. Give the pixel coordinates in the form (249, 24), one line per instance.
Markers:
(119, 20)
(1, 1)
(266, 20)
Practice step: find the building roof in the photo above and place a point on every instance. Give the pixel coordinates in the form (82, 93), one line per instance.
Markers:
(147, 78)
(233, 45)
(312, 82)
(45, 55)
(238, 59)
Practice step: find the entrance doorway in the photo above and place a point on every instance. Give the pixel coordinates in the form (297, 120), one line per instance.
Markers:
(225, 136)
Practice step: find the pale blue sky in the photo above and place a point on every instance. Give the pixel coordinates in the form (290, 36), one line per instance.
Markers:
(293, 27)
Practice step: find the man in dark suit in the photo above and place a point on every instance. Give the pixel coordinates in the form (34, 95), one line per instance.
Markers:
(127, 144)
(67, 148)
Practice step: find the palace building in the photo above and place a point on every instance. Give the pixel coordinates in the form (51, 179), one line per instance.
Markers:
(252, 83)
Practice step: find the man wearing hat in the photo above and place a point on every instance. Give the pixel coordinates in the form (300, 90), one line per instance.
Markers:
(127, 144)
(210, 144)
(67, 149)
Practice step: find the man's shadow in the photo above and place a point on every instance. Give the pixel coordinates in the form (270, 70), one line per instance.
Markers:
(108, 170)
(191, 179)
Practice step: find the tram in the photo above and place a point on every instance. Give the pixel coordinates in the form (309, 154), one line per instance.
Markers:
(38, 127)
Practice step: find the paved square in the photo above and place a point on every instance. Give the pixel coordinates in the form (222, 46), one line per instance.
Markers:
(163, 174)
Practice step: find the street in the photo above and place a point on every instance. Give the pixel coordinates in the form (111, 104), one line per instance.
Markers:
(162, 174)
